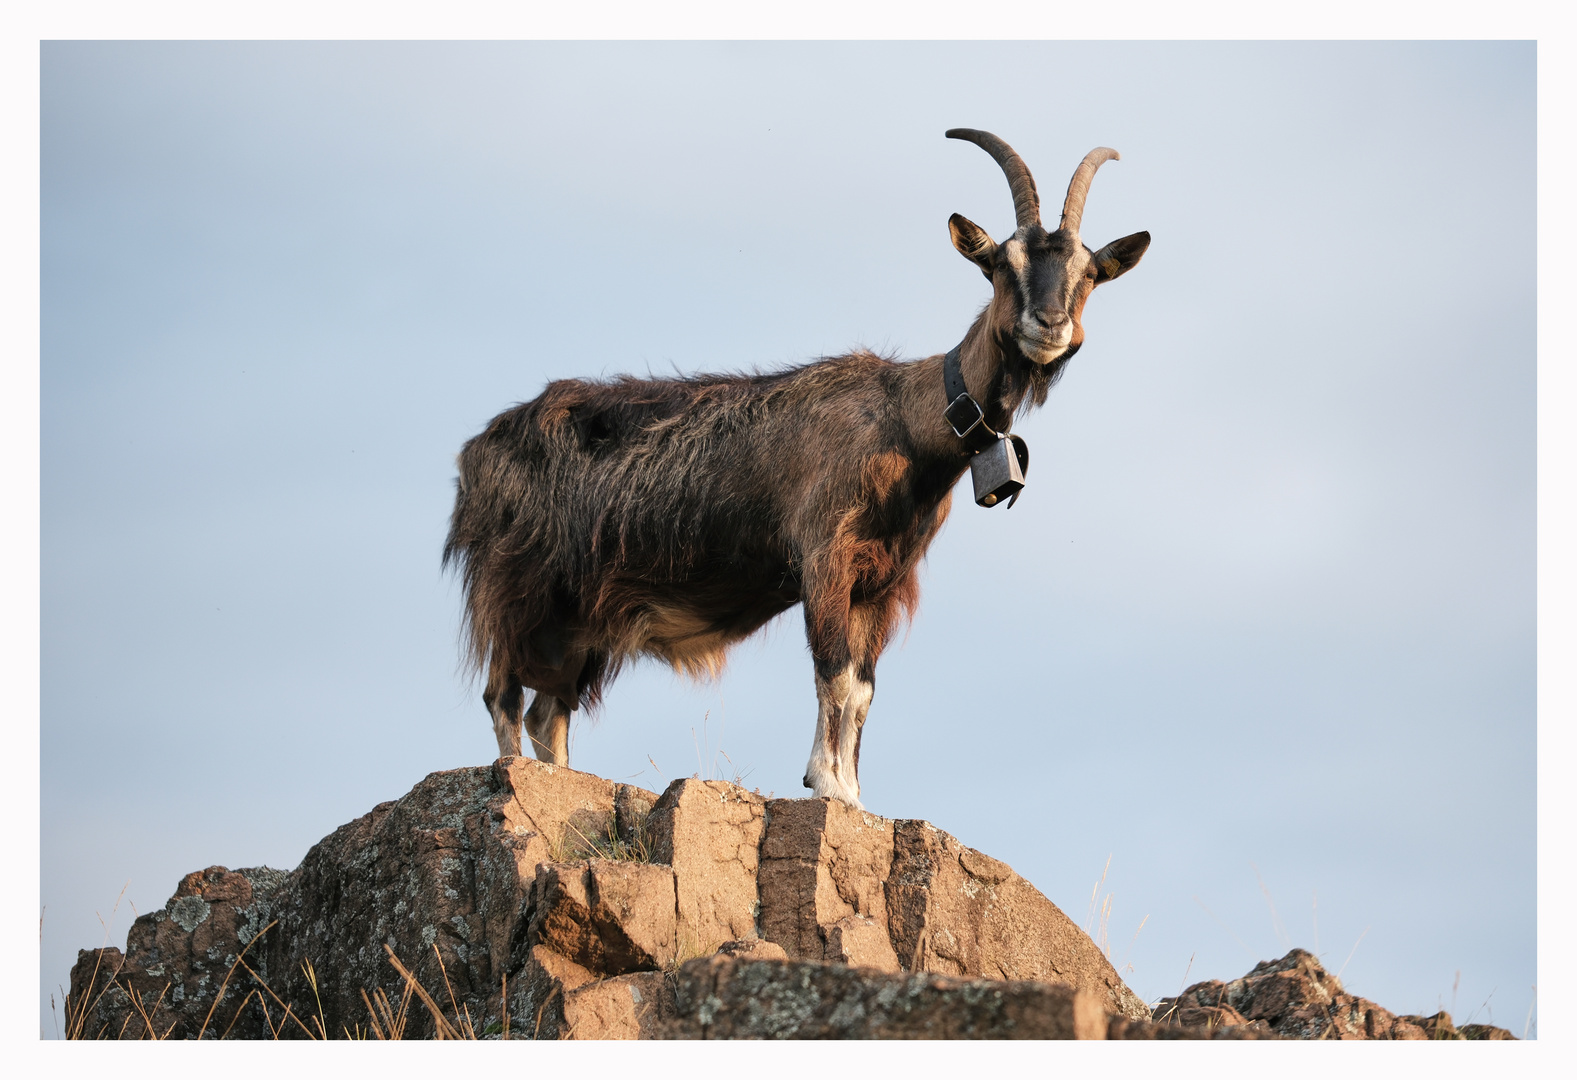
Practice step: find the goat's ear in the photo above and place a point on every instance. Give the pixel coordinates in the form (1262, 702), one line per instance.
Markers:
(972, 242)
(1120, 256)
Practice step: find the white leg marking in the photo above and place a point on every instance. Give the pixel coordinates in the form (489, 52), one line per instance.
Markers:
(842, 702)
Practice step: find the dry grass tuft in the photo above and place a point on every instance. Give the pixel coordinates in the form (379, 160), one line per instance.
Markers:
(573, 844)
(386, 1020)
(709, 769)
(1097, 923)
(77, 1012)
(688, 947)
(443, 1028)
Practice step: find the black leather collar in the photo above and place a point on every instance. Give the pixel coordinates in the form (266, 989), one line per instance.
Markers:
(964, 413)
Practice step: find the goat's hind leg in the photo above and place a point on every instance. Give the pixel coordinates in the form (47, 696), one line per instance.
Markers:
(547, 726)
(503, 698)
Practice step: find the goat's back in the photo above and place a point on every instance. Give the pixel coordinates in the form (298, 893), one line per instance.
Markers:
(617, 511)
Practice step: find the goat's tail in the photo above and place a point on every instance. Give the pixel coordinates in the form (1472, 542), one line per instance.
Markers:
(458, 554)
(466, 550)
(501, 558)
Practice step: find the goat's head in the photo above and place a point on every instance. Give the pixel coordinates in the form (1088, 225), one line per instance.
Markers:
(1041, 279)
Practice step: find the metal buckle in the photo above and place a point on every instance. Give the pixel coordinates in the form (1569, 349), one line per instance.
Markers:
(964, 408)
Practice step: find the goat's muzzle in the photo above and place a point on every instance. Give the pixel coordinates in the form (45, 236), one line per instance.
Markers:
(1043, 346)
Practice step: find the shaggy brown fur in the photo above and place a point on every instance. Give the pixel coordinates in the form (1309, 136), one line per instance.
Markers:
(671, 518)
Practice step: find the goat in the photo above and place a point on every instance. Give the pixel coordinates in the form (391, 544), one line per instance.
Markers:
(672, 518)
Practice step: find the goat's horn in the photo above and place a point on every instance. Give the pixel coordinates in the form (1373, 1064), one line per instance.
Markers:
(1079, 186)
(1026, 200)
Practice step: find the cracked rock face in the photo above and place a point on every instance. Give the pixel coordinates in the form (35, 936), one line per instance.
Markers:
(612, 918)
(554, 904)
(954, 911)
(710, 832)
(737, 996)
(726, 997)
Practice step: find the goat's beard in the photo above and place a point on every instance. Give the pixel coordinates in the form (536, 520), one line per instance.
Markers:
(1042, 377)
(1026, 384)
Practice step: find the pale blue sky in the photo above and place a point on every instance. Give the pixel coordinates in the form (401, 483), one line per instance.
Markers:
(1267, 602)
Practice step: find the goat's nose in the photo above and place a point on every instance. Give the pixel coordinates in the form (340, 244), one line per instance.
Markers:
(1051, 320)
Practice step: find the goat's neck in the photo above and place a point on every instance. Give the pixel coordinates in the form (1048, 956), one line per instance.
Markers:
(991, 382)
(989, 375)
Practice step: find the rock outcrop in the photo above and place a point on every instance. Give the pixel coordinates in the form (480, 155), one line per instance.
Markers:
(1296, 998)
(531, 901)
(526, 901)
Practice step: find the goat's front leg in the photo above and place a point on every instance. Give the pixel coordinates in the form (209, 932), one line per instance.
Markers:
(547, 726)
(846, 639)
(843, 697)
